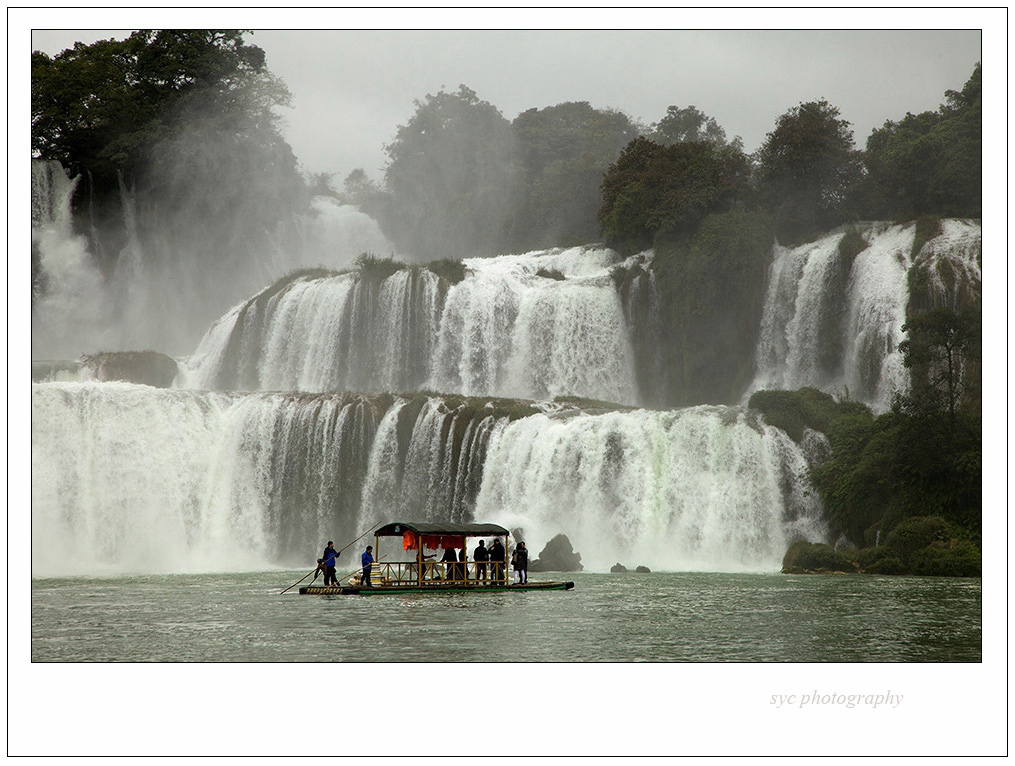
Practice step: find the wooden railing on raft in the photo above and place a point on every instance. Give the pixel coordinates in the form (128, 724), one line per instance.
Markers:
(438, 573)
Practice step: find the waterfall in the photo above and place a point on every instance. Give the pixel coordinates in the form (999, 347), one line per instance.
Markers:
(166, 276)
(535, 326)
(835, 323)
(129, 478)
(68, 292)
(950, 263)
(267, 453)
(134, 478)
(704, 488)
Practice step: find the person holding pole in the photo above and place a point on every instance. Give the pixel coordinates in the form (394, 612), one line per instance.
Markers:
(328, 561)
(367, 560)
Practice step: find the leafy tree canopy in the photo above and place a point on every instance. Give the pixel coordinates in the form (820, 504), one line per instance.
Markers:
(942, 350)
(654, 190)
(884, 470)
(101, 107)
(564, 150)
(929, 163)
(807, 169)
(450, 176)
(687, 124)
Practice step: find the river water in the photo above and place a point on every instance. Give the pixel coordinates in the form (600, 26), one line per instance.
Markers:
(656, 617)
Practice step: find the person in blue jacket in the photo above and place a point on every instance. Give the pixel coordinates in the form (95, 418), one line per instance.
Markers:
(328, 561)
(367, 559)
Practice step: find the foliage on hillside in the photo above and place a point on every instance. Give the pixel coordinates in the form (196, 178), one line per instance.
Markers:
(883, 472)
(711, 291)
(919, 545)
(807, 171)
(928, 163)
(664, 192)
(185, 119)
(450, 177)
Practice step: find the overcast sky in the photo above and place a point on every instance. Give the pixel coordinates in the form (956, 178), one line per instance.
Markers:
(352, 89)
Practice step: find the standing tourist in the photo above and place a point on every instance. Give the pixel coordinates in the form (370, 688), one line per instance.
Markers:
(497, 558)
(450, 560)
(328, 560)
(520, 560)
(367, 560)
(481, 555)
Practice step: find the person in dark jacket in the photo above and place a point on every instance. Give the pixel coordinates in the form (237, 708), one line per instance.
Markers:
(367, 560)
(328, 560)
(498, 573)
(450, 560)
(481, 555)
(520, 561)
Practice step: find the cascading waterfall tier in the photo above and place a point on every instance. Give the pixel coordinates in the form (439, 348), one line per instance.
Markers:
(702, 488)
(69, 296)
(834, 320)
(947, 268)
(533, 326)
(129, 478)
(133, 478)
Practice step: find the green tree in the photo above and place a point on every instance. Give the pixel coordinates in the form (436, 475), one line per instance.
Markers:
(711, 293)
(687, 124)
(563, 152)
(451, 178)
(942, 351)
(100, 108)
(666, 191)
(885, 470)
(807, 171)
(928, 163)
(184, 119)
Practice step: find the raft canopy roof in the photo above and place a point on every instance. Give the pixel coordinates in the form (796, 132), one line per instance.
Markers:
(399, 528)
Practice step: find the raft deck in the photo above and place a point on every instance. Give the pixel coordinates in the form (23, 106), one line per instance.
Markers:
(392, 589)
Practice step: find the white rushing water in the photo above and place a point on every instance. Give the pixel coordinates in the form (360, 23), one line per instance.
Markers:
(130, 478)
(503, 331)
(161, 288)
(703, 488)
(840, 331)
(951, 261)
(73, 298)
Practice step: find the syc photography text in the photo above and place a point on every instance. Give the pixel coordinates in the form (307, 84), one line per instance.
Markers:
(815, 698)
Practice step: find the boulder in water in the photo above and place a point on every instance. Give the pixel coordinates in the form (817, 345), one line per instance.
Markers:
(557, 556)
(618, 567)
(643, 569)
(148, 368)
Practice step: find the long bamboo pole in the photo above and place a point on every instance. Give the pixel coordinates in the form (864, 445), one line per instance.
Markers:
(318, 568)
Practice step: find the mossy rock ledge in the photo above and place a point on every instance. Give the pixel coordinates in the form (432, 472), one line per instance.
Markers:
(919, 545)
(815, 558)
(148, 368)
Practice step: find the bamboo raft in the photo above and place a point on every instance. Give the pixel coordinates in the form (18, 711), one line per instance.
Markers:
(382, 589)
(426, 576)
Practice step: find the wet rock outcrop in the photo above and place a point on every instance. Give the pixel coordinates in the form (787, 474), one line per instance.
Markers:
(557, 556)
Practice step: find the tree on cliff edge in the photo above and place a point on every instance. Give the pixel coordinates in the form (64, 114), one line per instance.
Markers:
(807, 170)
(449, 177)
(184, 117)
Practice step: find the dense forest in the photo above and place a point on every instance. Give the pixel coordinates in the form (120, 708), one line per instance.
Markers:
(187, 121)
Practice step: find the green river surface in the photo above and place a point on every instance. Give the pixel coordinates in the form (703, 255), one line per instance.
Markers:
(655, 617)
